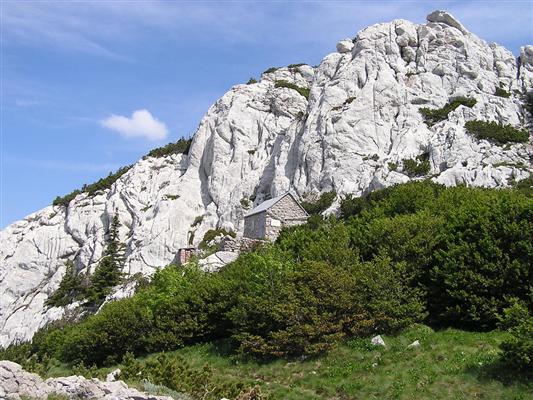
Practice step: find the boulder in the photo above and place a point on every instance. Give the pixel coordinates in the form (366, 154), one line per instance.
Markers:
(378, 341)
(345, 46)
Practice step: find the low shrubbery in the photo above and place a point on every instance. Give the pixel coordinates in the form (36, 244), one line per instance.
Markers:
(501, 92)
(518, 350)
(285, 84)
(496, 132)
(270, 70)
(182, 146)
(93, 188)
(419, 251)
(213, 233)
(319, 205)
(433, 116)
(418, 166)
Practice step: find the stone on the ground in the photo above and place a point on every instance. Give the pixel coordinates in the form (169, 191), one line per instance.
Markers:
(15, 383)
(113, 375)
(377, 341)
(415, 344)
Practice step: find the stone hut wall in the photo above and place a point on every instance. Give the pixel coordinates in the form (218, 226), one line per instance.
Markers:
(285, 212)
(254, 226)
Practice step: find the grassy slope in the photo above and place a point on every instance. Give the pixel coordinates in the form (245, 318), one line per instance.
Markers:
(450, 364)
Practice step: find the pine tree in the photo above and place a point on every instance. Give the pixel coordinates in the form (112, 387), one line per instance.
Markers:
(108, 272)
(69, 289)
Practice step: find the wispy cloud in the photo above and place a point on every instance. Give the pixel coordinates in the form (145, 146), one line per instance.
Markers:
(140, 124)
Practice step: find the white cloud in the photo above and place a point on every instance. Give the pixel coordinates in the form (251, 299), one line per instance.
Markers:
(141, 124)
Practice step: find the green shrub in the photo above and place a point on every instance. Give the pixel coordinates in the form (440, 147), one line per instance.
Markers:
(175, 373)
(293, 66)
(518, 350)
(285, 84)
(198, 220)
(496, 132)
(528, 103)
(251, 81)
(93, 188)
(303, 309)
(213, 233)
(501, 92)
(324, 201)
(433, 116)
(419, 166)
(182, 146)
(270, 70)
(392, 166)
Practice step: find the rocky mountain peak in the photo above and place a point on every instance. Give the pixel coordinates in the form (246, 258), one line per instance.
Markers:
(355, 123)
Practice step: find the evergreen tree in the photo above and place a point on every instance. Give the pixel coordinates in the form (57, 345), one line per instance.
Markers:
(69, 288)
(108, 272)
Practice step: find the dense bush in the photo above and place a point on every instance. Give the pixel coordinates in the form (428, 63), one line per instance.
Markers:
(433, 116)
(518, 350)
(285, 84)
(418, 166)
(251, 81)
(469, 249)
(324, 201)
(93, 188)
(462, 253)
(496, 132)
(182, 146)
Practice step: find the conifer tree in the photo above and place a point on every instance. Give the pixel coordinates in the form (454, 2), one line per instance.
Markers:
(69, 289)
(108, 272)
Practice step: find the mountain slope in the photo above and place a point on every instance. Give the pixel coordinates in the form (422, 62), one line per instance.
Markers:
(351, 134)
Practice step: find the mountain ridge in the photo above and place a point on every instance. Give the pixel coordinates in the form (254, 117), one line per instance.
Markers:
(362, 117)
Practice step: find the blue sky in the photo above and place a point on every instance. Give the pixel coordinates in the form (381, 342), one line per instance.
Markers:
(74, 72)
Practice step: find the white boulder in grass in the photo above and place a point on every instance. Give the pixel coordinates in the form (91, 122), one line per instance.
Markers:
(378, 341)
(414, 345)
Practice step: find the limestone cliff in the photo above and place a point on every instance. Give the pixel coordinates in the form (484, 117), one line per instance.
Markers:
(360, 121)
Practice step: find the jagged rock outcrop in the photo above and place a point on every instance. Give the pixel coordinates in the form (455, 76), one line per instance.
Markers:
(16, 384)
(360, 120)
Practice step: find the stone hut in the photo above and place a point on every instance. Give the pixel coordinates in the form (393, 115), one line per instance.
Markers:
(265, 221)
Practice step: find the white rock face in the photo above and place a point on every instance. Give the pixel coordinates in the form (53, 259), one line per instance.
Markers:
(258, 141)
(15, 383)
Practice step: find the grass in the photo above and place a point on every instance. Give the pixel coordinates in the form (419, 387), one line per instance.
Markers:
(449, 364)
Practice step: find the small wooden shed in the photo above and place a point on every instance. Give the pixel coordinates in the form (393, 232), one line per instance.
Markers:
(267, 219)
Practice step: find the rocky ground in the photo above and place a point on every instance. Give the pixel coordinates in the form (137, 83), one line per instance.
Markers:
(16, 384)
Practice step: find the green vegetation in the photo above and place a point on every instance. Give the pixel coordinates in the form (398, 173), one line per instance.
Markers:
(324, 201)
(213, 233)
(418, 252)
(252, 151)
(108, 271)
(449, 364)
(433, 116)
(496, 132)
(94, 288)
(285, 84)
(182, 146)
(293, 66)
(501, 92)
(270, 70)
(198, 220)
(70, 288)
(392, 166)
(418, 166)
(93, 188)
(251, 81)
(245, 203)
